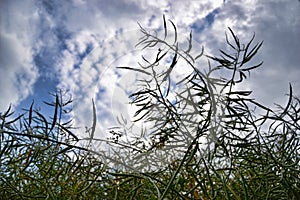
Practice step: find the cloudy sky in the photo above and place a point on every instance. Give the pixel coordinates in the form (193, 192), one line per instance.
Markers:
(76, 45)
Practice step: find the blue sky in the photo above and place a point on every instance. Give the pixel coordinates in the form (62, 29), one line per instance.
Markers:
(77, 45)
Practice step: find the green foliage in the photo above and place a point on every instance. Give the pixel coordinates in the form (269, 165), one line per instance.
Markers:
(216, 140)
(40, 159)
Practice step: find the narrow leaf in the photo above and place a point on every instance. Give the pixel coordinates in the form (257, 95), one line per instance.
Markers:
(227, 55)
(44, 120)
(69, 132)
(190, 43)
(30, 113)
(174, 61)
(244, 93)
(198, 56)
(236, 39)
(175, 30)
(55, 113)
(289, 102)
(134, 69)
(94, 122)
(253, 67)
(165, 26)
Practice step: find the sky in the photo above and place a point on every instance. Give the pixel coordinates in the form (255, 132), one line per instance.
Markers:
(76, 45)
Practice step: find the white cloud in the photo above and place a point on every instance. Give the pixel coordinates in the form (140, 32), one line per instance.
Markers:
(95, 76)
(277, 24)
(18, 73)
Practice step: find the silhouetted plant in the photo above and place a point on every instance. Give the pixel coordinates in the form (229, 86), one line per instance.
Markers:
(41, 157)
(205, 137)
(223, 143)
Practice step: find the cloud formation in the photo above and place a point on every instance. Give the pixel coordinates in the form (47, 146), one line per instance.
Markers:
(18, 72)
(78, 45)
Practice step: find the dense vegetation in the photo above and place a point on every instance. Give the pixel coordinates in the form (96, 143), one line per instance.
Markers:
(219, 142)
